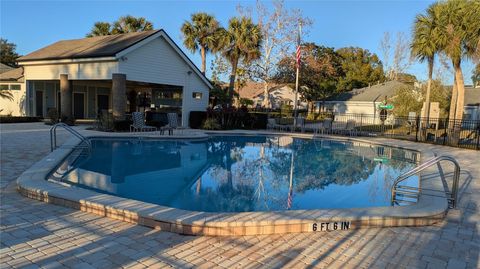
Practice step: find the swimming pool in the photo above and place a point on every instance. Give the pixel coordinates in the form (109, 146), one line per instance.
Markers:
(241, 173)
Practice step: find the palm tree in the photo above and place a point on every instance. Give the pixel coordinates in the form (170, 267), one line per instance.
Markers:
(100, 29)
(240, 42)
(6, 95)
(425, 45)
(201, 32)
(130, 24)
(460, 38)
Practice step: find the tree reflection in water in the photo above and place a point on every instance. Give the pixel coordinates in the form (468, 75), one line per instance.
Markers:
(253, 173)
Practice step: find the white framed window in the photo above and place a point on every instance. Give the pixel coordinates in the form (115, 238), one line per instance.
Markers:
(197, 95)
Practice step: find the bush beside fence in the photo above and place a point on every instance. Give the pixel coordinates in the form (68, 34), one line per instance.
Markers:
(15, 119)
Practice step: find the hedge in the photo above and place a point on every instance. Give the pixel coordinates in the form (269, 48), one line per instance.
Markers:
(197, 118)
(14, 119)
(230, 119)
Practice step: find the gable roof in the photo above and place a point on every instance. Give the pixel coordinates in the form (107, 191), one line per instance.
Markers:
(14, 75)
(4, 68)
(90, 47)
(254, 89)
(375, 93)
(105, 46)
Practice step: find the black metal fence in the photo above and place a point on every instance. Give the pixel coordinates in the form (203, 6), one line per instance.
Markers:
(443, 131)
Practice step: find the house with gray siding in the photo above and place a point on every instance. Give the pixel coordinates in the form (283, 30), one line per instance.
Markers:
(119, 73)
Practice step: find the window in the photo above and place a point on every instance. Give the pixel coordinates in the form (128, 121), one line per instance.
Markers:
(197, 95)
(13, 87)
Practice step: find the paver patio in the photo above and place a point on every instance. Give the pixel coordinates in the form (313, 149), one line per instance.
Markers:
(35, 234)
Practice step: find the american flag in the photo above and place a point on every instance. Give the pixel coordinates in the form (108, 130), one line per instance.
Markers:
(290, 198)
(299, 50)
(299, 53)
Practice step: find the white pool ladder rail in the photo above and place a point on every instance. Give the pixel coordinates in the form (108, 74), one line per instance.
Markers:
(85, 142)
(452, 196)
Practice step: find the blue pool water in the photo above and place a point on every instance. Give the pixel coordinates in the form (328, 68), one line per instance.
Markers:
(243, 173)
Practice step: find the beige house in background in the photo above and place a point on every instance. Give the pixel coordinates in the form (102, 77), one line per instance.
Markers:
(12, 80)
(120, 73)
(278, 95)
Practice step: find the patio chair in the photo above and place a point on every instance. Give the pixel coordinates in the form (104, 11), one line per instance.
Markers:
(326, 127)
(172, 124)
(350, 128)
(139, 123)
(300, 123)
(273, 125)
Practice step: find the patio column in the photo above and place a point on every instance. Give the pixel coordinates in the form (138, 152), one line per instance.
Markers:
(65, 95)
(119, 95)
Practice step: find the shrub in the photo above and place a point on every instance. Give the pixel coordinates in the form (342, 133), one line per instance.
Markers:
(105, 122)
(258, 120)
(52, 114)
(197, 118)
(211, 124)
(15, 119)
(69, 120)
(122, 125)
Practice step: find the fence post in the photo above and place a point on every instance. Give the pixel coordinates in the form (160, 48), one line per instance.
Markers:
(447, 122)
(478, 135)
(361, 122)
(417, 122)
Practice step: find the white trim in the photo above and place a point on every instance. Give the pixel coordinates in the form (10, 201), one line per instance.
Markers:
(162, 33)
(62, 61)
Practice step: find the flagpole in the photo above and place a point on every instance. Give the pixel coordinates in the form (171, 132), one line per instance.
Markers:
(295, 112)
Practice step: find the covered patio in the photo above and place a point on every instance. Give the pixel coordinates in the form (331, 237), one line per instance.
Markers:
(85, 99)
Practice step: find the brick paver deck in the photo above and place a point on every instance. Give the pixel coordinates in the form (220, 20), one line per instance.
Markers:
(35, 234)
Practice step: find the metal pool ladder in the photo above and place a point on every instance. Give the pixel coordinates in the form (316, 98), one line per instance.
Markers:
(407, 191)
(84, 142)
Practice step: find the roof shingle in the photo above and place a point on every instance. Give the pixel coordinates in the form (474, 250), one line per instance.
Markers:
(98, 46)
(375, 93)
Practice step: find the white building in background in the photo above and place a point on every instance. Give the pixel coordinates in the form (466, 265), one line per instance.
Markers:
(83, 76)
(361, 101)
(471, 110)
(12, 81)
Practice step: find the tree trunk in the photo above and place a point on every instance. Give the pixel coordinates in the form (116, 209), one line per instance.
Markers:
(460, 92)
(233, 75)
(266, 95)
(453, 103)
(427, 99)
(204, 59)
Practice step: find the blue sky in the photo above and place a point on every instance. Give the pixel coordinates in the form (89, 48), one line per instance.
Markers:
(34, 24)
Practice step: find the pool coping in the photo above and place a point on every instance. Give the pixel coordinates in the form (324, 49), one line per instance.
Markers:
(33, 184)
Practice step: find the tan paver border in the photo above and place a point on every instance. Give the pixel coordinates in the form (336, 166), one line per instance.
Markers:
(33, 184)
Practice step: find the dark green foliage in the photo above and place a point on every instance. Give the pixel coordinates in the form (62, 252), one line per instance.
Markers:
(360, 67)
(320, 72)
(232, 118)
(211, 124)
(8, 54)
(196, 119)
(53, 115)
(124, 24)
(122, 125)
(69, 120)
(12, 119)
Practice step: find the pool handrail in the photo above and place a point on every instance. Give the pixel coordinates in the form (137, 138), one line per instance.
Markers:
(53, 135)
(456, 177)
